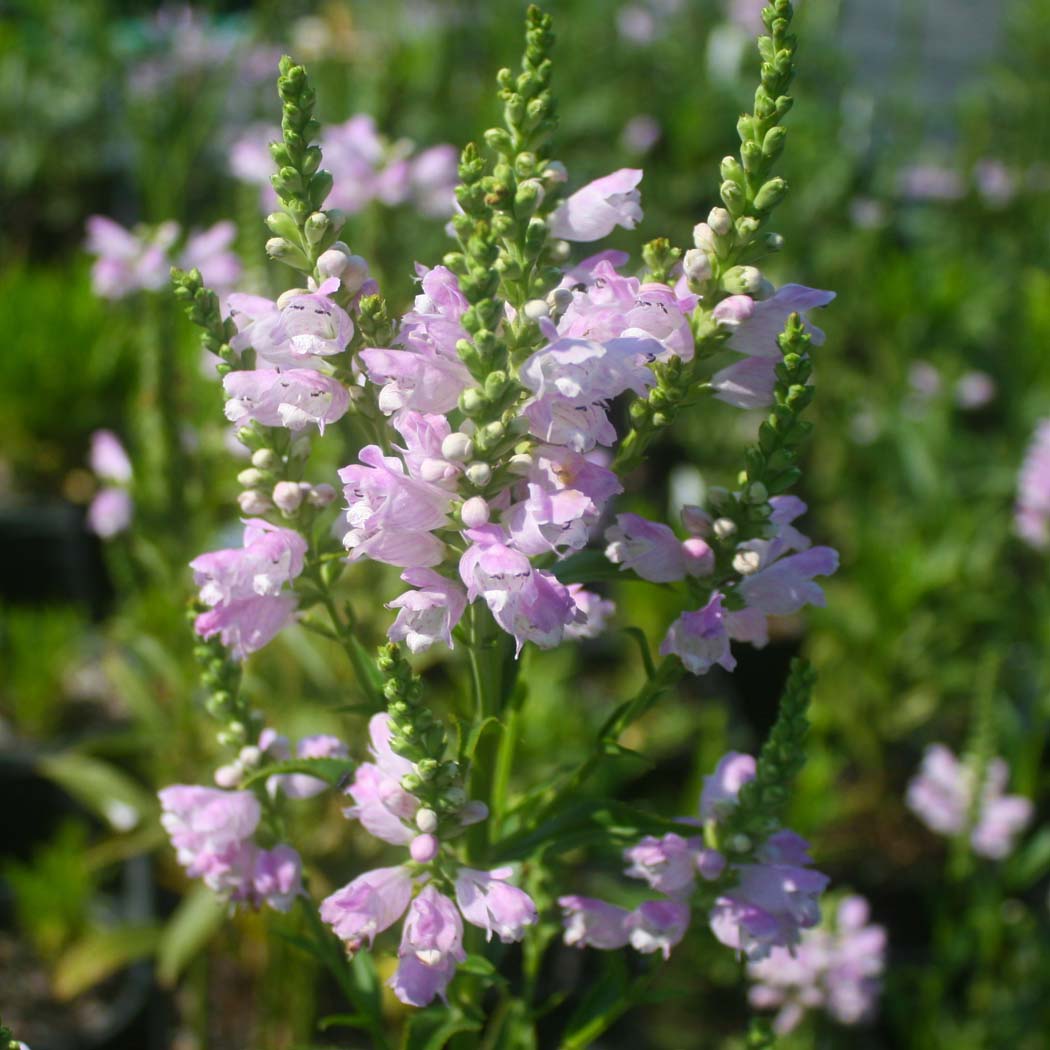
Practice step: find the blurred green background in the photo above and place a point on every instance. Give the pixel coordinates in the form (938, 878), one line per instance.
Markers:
(919, 164)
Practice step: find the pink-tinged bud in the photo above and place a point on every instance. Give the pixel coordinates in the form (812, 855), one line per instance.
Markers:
(354, 275)
(321, 495)
(424, 848)
(699, 558)
(332, 263)
(696, 521)
(228, 776)
(254, 502)
(475, 512)
(287, 496)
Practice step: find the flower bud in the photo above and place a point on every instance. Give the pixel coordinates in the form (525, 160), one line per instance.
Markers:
(720, 221)
(332, 262)
(251, 477)
(479, 473)
(316, 227)
(704, 237)
(699, 558)
(724, 528)
(355, 274)
(474, 512)
(249, 756)
(696, 521)
(770, 194)
(520, 464)
(265, 459)
(284, 251)
(534, 309)
(435, 470)
(254, 502)
(457, 447)
(742, 280)
(424, 848)
(321, 495)
(746, 562)
(426, 820)
(287, 496)
(559, 300)
(697, 265)
(229, 776)
(757, 492)
(555, 172)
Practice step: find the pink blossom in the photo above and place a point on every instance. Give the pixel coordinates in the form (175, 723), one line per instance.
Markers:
(591, 923)
(429, 613)
(657, 926)
(431, 949)
(108, 459)
(381, 804)
(391, 514)
(302, 785)
(783, 585)
(594, 611)
(722, 787)
(487, 900)
(700, 639)
(128, 262)
(653, 551)
(294, 398)
(594, 211)
(210, 252)
(1032, 509)
(368, 905)
(110, 512)
(415, 380)
(667, 864)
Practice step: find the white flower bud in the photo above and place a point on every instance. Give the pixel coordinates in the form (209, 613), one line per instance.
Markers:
(457, 447)
(474, 512)
(697, 265)
(720, 221)
(249, 757)
(229, 776)
(724, 528)
(332, 262)
(746, 562)
(696, 521)
(265, 459)
(253, 502)
(426, 821)
(321, 495)
(434, 470)
(520, 464)
(479, 473)
(704, 237)
(556, 172)
(534, 309)
(559, 300)
(287, 496)
(251, 477)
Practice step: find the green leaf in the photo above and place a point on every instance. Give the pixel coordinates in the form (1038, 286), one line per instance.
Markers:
(103, 788)
(1030, 863)
(606, 1000)
(643, 644)
(474, 737)
(479, 966)
(587, 567)
(189, 929)
(343, 1021)
(330, 770)
(100, 954)
(432, 1029)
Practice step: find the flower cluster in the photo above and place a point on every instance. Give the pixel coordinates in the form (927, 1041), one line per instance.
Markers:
(836, 968)
(130, 261)
(364, 166)
(111, 508)
(212, 832)
(1032, 513)
(942, 794)
(432, 935)
(765, 904)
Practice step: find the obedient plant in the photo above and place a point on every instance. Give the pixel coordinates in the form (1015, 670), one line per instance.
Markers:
(489, 431)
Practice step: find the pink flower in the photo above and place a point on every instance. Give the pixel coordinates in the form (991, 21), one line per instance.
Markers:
(108, 459)
(429, 613)
(487, 900)
(110, 512)
(782, 586)
(722, 787)
(527, 603)
(594, 211)
(1032, 511)
(591, 923)
(431, 949)
(700, 639)
(368, 905)
(756, 327)
(433, 175)
(277, 877)
(667, 864)
(654, 552)
(381, 804)
(415, 380)
(210, 252)
(657, 926)
(390, 514)
(302, 785)
(244, 626)
(294, 398)
(594, 611)
(128, 262)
